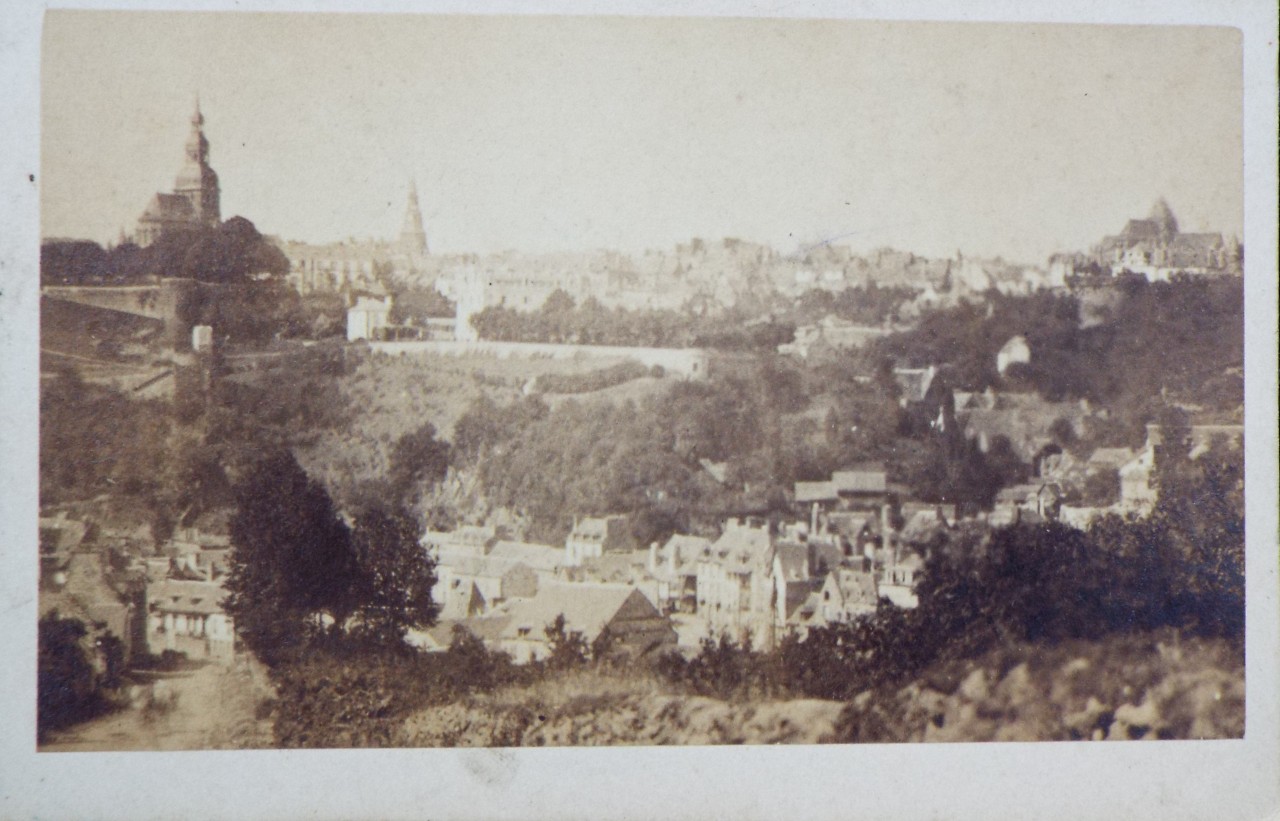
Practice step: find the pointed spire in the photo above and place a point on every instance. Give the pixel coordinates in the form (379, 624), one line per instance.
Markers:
(197, 119)
(413, 239)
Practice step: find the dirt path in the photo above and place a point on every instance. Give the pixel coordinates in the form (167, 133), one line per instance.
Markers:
(213, 710)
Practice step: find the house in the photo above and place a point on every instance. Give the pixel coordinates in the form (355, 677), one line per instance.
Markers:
(1138, 491)
(1024, 420)
(1038, 501)
(82, 590)
(846, 593)
(543, 559)
(944, 510)
(470, 539)
(914, 383)
(1014, 352)
(494, 579)
(922, 528)
(927, 397)
(618, 619)
(733, 580)
(896, 572)
(459, 601)
(674, 566)
(861, 484)
(187, 617)
(859, 530)
(367, 317)
(1110, 458)
(595, 536)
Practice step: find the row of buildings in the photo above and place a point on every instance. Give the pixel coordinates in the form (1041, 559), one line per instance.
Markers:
(154, 601)
(754, 580)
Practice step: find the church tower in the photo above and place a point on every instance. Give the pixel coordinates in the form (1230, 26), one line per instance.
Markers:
(1166, 222)
(413, 239)
(197, 182)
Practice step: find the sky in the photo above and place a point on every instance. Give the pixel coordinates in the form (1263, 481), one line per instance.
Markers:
(559, 133)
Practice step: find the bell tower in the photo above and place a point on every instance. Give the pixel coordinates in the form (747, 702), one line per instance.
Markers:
(197, 181)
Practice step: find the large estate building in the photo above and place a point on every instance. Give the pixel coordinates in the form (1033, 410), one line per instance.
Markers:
(194, 202)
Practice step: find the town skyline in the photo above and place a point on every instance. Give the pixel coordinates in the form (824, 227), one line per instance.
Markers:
(525, 154)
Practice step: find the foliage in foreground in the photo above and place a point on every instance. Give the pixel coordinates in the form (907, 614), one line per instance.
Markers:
(299, 570)
(1178, 574)
(70, 686)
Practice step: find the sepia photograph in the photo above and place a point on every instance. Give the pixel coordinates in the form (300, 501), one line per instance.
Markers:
(427, 381)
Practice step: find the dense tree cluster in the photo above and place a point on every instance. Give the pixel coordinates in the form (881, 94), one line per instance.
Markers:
(1180, 569)
(1199, 323)
(232, 252)
(591, 323)
(300, 570)
(860, 305)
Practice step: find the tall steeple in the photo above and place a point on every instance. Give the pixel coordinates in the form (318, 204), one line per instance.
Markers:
(197, 181)
(413, 238)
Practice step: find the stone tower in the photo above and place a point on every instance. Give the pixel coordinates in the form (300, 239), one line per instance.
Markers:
(1166, 222)
(413, 239)
(197, 182)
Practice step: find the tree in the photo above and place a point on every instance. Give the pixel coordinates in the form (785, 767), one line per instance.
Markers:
(66, 683)
(292, 560)
(567, 648)
(232, 252)
(417, 458)
(395, 575)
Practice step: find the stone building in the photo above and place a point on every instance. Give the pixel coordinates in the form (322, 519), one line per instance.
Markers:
(195, 201)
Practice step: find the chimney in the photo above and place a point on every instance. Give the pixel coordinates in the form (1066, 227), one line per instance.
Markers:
(813, 519)
(653, 557)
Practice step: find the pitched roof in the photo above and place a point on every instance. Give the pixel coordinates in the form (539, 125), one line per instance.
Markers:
(1111, 457)
(688, 549)
(807, 492)
(595, 528)
(854, 585)
(914, 382)
(480, 567)
(462, 602)
(792, 560)
(587, 608)
(538, 556)
(168, 207)
(1141, 229)
(178, 596)
(741, 549)
(851, 524)
(922, 527)
(800, 595)
(868, 478)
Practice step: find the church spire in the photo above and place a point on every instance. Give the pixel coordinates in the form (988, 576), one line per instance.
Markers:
(413, 238)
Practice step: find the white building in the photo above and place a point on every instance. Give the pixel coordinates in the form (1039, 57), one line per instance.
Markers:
(367, 316)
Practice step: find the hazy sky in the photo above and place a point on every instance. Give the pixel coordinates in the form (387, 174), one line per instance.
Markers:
(543, 133)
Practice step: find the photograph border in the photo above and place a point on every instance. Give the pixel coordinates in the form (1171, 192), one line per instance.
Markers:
(1167, 779)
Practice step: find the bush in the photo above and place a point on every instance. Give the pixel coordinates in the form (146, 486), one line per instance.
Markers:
(347, 694)
(69, 688)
